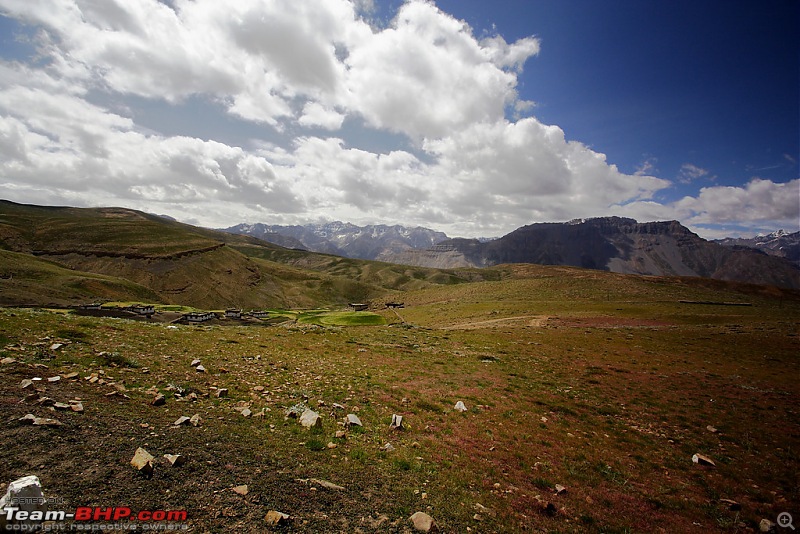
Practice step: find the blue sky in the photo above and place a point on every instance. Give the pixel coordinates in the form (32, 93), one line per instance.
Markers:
(713, 84)
(466, 116)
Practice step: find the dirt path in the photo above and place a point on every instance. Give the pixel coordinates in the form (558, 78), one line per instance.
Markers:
(537, 321)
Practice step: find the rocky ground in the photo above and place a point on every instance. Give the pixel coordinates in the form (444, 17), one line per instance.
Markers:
(571, 421)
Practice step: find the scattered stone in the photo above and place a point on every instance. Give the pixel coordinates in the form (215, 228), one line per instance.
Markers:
(182, 420)
(397, 422)
(46, 421)
(560, 489)
(195, 363)
(325, 484)
(26, 384)
(422, 522)
(258, 389)
(353, 420)
(56, 346)
(766, 526)
(25, 494)
(332, 445)
(196, 420)
(62, 406)
(70, 376)
(7, 361)
(337, 406)
(222, 393)
(340, 434)
(733, 506)
(388, 447)
(295, 411)
(275, 518)
(175, 460)
(76, 406)
(460, 407)
(159, 400)
(703, 460)
(54, 379)
(246, 412)
(27, 419)
(142, 461)
(241, 490)
(200, 369)
(711, 429)
(310, 419)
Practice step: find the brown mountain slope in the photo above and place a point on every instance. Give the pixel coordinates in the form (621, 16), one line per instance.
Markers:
(614, 244)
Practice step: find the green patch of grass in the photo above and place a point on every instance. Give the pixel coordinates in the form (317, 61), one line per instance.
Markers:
(315, 444)
(119, 360)
(428, 406)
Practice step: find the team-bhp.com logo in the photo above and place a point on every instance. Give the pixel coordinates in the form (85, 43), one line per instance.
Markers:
(88, 518)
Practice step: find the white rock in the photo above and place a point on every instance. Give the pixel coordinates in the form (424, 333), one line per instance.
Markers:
(703, 460)
(422, 522)
(142, 461)
(460, 407)
(310, 419)
(26, 494)
(275, 518)
(397, 422)
(353, 420)
(182, 420)
(175, 460)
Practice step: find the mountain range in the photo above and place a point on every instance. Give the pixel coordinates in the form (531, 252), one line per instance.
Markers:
(371, 242)
(614, 244)
(780, 243)
(63, 255)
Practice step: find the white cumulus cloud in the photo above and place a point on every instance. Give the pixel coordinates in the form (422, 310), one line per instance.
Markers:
(310, 80)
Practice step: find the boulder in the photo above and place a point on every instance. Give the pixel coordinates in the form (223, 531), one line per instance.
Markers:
(422, 522)
(26, 494)
(353, 420)
(460, 407)
(397, 422)
(175, 460)
(703, 460)
(310, 419)
(275, 518)
(142, 461)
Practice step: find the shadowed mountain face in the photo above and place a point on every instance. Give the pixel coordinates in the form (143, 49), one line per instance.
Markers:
(612, 244)
(344, 239)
